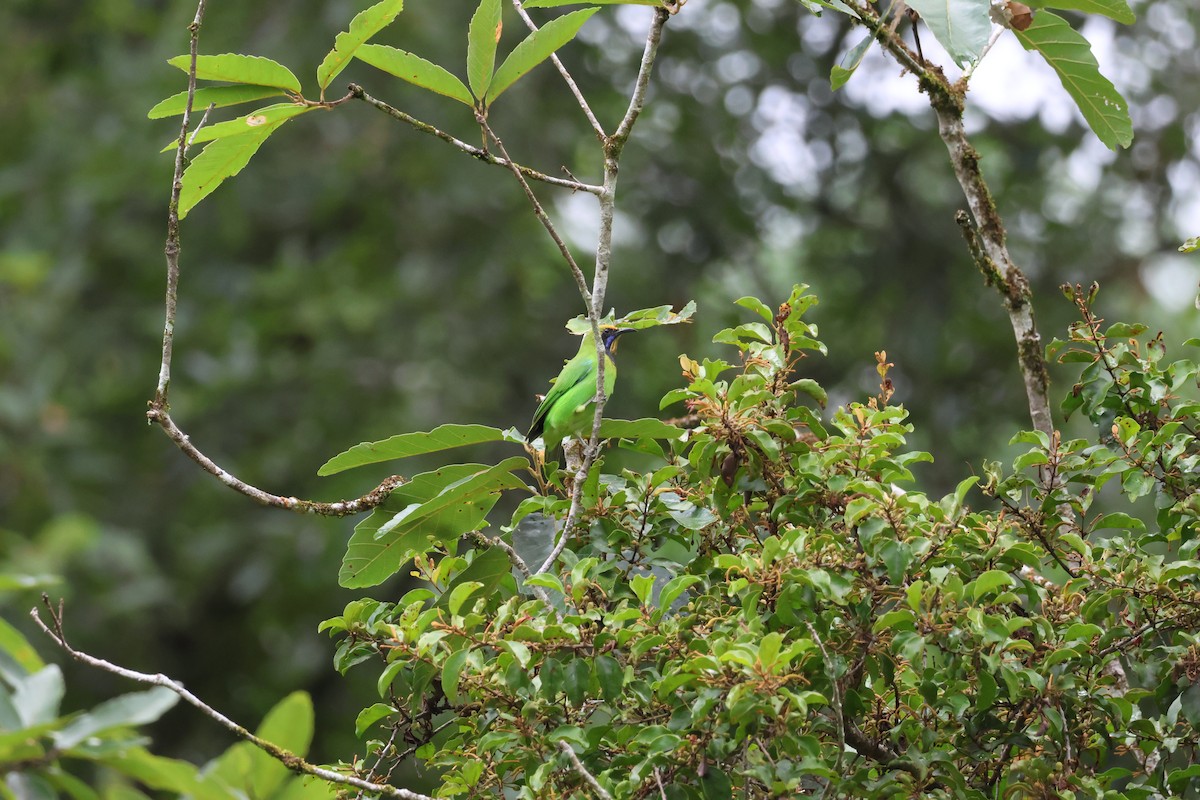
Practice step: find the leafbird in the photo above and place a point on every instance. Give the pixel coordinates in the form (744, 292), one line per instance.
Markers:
(567, 408)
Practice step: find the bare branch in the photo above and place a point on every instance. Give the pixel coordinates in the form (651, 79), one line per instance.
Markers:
(292, 761)
(471, 150)
(583, 772)
(562, 70)
(343, 508)
(947, 103)
(638, 99)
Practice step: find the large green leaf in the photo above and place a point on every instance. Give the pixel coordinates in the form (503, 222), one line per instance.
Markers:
(267, 116)
(482, 38)
(18, 648)
(37, 697)
(963, 27)
(536, 48)
(246, 770)
(157, 772)
(135, 708)
(222, 159)
(236, 68)
(438, 506)
(1114, 9)
(443, 437)
(216, 96)
(365, 24)
(1070, 55)
(647, 428)
(415, 70)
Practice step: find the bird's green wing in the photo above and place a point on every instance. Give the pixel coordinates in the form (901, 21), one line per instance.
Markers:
(575, 372)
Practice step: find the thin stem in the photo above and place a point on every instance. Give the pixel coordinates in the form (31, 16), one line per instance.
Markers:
(285, 757)
(637, 100)
(583, 772)
(201, 124)
(570, 81)
(343, 508)
(543, 217)
(470, 149)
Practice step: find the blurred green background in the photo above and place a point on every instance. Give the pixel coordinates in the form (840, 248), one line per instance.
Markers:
(360, 280)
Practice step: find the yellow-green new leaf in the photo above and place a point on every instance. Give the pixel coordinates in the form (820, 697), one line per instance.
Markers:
(1068, 52)
(216, 96)
(222, 159)
(1118, 10)
(365, 24)
(250, 123)
(415, 70)
(482, 38)
(236, 68)
(536, 48)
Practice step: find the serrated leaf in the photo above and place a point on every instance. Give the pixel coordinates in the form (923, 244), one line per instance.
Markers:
(1118, 10)
(443, 437)
(963, 27)
(1070, 55)
(365, 24)
(216, 96)
(536, 48)
(236, 68)
(842, 71)
(482, 37)
(135, 708)
(415, 70)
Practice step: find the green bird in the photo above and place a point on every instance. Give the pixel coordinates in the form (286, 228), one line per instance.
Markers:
(567, 408)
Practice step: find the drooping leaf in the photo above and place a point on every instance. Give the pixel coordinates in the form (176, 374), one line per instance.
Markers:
(443, 437)
(482, 38)
(963, 27)
(135, 708)
(365, 24)
(1118, 10)
(842, 71)
(269, 116)
(1068, 52)
(415, 70)
(536, 48)
(370, 715)
(18, 648)
(222, 159)
(236, 68)
(216, 96)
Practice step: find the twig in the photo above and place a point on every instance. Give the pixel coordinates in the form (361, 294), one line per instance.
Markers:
(201, 124)
(289, 759)
(543, 217)
(836, 698)
(470, 149)
(947, 103)
(570, 81)
(583, 772)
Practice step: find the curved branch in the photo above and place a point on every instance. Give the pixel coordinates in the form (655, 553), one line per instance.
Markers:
(289, 759)
(471, 150)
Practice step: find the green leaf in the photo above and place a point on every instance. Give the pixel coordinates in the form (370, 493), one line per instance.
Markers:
(963, 27)
(811, 388)
(1068, 52)
(415, 70)
(164, 774)
(990, 581)
(558, 3)
(236, 68)
(439, 506)
(216, 96)
(222, 159)
(452, 671)
(37, 697)
(370, 715)
(842, 71)
(460, 593)
(288, 725)
(611, 677)
(269, 116)
(136, 708)
(758, 307)
(482, 38)
(536, 48)
(365, 24)
(1190, 246)
(647, 428)
(1118, 10)
(443, 437)
(18, 648)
